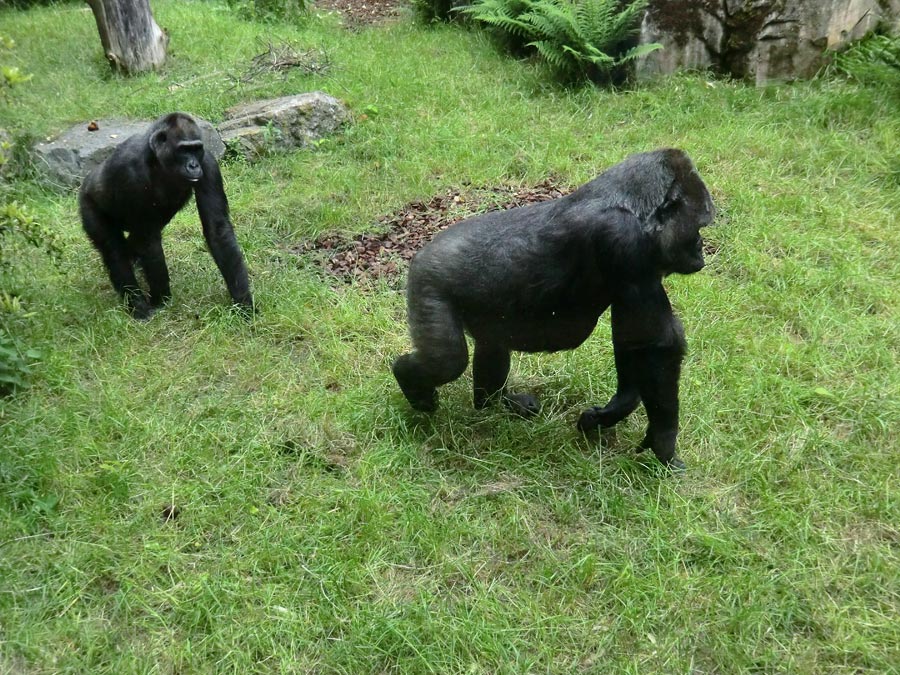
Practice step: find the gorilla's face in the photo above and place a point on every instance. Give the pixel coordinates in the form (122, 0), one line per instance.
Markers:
(688, 208)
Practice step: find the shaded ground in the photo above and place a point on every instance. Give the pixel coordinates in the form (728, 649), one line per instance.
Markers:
(362, 12)
(384, 255)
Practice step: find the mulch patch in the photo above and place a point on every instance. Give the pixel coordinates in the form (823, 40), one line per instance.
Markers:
(363, 12)
(385, 254)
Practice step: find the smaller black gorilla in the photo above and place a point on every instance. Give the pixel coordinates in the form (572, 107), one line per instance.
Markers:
(537, 278)
(139, 189)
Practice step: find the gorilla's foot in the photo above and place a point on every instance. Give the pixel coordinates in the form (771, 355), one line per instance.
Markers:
(672, 462)
(590, 419)
(523, 405)
(421, 396)
(675, 464)
(140, 309)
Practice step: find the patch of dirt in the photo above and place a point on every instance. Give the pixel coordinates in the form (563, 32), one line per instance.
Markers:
(358, 13)
(373, 256)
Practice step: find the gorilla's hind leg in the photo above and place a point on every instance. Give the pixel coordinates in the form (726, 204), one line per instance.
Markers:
(490, 369)
(117, 257)
(147, 251)
(440, 354)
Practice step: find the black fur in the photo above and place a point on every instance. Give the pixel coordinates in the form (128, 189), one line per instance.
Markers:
(138, 190)
(537, 279)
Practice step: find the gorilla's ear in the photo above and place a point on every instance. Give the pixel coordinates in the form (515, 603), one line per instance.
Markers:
(671, 201)
(158, 141)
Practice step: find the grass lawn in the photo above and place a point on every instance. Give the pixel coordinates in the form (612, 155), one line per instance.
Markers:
(322, 526)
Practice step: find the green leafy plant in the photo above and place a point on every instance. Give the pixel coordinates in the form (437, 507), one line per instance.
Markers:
(13, 363)
(506, 17)
(580, 39)
(874, 60)
(10, 76)
(17, 222)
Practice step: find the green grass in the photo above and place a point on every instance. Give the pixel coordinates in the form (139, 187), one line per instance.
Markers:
(322, 526)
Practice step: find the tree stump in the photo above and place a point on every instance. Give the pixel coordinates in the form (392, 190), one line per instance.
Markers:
(132, 41)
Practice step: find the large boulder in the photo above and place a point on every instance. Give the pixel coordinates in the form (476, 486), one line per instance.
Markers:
(282, 124)
(760, 40)
(69, 157)
(251, 129)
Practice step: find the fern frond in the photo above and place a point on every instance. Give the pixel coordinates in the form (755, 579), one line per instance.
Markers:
(576, 37)
(594, 19)
(591, 55)
(628, 21)
(639, 51)
(552, 54)
(504, 15)
(553, 20)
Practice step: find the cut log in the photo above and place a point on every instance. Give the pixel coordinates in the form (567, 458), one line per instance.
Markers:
(131, 39)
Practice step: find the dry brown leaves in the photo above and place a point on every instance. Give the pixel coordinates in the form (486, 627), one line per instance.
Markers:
(362, 12)
(385, 255)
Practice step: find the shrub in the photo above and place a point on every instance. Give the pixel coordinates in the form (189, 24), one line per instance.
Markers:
(578, 38)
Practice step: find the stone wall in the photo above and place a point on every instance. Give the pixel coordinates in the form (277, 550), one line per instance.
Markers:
(759, 40)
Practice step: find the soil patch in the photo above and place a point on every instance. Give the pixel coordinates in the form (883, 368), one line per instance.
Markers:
(363, 12)
(385, 254)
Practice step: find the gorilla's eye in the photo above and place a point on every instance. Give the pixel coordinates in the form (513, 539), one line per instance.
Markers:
(667, 209)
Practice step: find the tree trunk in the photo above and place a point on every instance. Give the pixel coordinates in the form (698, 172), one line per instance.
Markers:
(132, 41)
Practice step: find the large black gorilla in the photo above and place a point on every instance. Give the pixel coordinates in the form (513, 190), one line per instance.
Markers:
(138, 190)
(537, 278)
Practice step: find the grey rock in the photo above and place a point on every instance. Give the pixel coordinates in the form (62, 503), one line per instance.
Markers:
(282, 124)
(68, 158)
(760, 40)
(252, 129)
